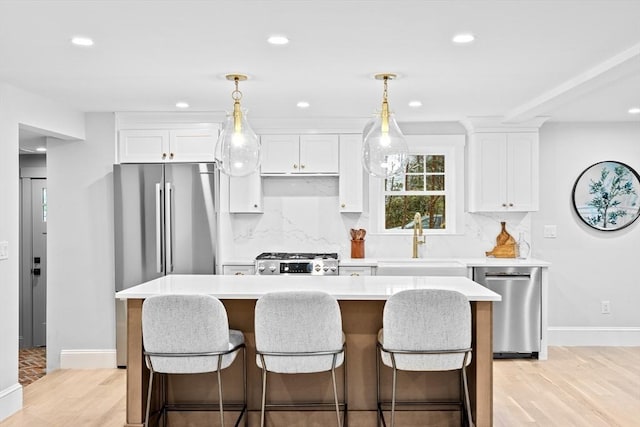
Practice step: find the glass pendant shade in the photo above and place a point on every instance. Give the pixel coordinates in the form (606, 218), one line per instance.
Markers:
(384, 150)
(238, 147)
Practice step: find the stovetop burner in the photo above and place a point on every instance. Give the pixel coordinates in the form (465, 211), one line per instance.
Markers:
(296, 255)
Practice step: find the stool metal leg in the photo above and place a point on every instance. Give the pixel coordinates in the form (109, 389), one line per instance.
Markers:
(146, 418)
(244, 385)
(221, 404)
(335, 389)
(264, 391)
(393, 391)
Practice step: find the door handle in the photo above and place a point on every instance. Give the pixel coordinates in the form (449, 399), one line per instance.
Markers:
(159, 259)
(168, 194)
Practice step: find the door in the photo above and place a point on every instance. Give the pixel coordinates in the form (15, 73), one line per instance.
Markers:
(33, 316)
(190, 218)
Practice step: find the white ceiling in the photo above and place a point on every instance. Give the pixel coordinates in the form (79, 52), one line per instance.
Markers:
(570, 60)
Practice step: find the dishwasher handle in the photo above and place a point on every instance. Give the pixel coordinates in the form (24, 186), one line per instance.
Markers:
(508, 276)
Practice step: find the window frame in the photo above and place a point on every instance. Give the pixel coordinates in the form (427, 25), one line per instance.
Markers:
(452, 147)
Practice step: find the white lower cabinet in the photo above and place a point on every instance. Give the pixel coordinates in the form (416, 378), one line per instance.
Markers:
(239, 270)
(356, 271)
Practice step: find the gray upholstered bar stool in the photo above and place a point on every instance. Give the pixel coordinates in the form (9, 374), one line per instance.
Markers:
(189, 334)
(297, 333)
(425, 330)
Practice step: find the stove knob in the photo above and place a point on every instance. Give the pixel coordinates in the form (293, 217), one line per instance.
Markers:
(334, 268)
(272, 268)
(325, 268)
(317, 267)
(261, 267)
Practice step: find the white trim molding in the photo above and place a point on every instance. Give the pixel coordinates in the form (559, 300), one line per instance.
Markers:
(88, 359)
(594, 336)
(10, 400)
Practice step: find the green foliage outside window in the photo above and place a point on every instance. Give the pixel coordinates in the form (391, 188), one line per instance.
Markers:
(420, 188)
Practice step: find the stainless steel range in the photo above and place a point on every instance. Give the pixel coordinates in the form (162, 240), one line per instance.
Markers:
(268, 263)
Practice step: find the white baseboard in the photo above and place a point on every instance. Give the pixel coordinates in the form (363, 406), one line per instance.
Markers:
(88, 359)
(10, 400)
(594, 336)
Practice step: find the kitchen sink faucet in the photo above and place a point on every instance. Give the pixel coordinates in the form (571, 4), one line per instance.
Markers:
(417, 233)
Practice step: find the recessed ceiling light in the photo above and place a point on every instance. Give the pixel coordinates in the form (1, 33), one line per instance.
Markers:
(182, 104)
(463, 38)
(278, 40)
(41, 149)
(303, 104)
(634, 110)
(415, 104)
(82, 41)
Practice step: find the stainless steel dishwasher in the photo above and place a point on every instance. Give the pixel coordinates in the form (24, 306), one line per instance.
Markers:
(516, 319)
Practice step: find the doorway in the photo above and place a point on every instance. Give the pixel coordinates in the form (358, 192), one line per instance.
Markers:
(34, 263)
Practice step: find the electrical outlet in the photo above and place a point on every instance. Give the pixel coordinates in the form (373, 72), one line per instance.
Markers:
(605, 307)
(550, 231)
(4, 250)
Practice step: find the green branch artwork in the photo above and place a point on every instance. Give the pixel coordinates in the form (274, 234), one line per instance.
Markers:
(607, 192)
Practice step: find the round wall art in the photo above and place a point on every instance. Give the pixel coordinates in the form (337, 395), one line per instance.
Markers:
(605, 195)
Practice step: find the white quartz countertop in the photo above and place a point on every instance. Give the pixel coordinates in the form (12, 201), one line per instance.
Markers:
(341, 287)
(466, 262)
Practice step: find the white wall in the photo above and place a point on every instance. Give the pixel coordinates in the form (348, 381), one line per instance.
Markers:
(589, 266)
(80, 302)
(18, 107)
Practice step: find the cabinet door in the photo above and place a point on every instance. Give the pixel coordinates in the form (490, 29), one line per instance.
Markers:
(319, 154)
(350, 184)
(355, 271)
(488, 159)
(522, 172)
(245, 194)
(192, 145)
(280, 154)
(143, 146)
(238, 270)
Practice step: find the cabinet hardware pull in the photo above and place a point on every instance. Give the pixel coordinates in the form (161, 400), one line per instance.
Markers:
(239, 273)
(171, 156)
(164, 156)
(510, 205)
(295, 166)
(301, 166)
(255, 206)
(504, 205)
(355, 274)
(343, 205)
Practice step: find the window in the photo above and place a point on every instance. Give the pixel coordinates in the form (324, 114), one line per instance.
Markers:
(421, 188)
(431, 185)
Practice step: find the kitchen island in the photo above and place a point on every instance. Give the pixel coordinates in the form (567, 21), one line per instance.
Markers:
(361, 302)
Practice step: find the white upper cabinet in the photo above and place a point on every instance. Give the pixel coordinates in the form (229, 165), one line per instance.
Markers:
(300, 154)
(167, 145)
(245, 194)
(350, 185)
(503, 172)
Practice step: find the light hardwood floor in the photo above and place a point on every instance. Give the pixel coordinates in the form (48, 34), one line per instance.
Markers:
(577, 386)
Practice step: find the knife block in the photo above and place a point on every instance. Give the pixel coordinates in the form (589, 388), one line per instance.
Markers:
(357, 249)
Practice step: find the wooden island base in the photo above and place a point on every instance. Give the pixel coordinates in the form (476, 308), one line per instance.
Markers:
(361, 321)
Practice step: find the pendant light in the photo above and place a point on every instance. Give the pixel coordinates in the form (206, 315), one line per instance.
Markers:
(238, 145)
(384, 149)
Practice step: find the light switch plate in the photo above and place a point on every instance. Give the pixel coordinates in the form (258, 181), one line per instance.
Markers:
(4, 250)
(550, 231)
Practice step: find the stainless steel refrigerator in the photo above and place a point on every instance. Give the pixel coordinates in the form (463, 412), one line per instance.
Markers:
(165, 218)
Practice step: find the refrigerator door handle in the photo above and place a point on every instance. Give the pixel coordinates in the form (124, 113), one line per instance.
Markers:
(159, 258)
(168, 194)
